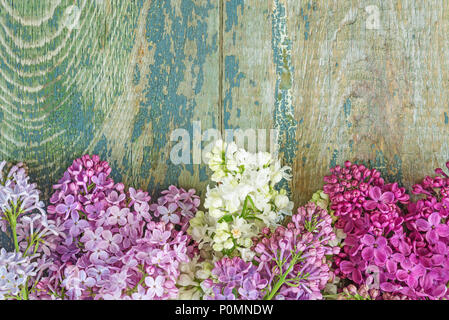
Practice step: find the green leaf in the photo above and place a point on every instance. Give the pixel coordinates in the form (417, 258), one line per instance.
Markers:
(227, 218)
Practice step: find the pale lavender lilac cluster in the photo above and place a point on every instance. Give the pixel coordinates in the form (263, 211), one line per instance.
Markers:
(22, 215)
(110, 246)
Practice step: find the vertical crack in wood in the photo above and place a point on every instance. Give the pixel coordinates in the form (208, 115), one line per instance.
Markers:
(220, 69)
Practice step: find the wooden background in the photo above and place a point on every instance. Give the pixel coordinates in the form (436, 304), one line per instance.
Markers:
(361, 80)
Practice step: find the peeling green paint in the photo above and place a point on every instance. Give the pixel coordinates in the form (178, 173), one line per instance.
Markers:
(333, 161)
(347, 107)
(232, 77)
(231, 12)
(284, 119)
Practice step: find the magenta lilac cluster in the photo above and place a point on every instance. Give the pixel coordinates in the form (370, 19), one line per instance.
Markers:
(391, 244)
(110, 245)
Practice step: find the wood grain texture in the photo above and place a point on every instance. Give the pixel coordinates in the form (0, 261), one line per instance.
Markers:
(109, 77)
(359, 80)
(369, 92)
(341, 80)
(115, 81)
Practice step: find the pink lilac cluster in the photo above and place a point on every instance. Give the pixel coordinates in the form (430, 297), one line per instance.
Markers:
(362, 201)
(235, 279)
(177, 206)
(110, 247)
(404, 258)
(293, 258)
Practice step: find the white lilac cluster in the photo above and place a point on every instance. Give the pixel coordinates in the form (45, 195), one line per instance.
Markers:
(191, 281)
(243, 201)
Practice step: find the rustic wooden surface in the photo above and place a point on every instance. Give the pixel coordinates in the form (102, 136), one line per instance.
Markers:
(358, 80)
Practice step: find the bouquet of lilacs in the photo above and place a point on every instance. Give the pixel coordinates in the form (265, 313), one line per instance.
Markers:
(243, 201)
(393, 248)
(22, 215)
(110, 245)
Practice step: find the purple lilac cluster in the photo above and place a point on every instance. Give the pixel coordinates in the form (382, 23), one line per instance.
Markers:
(110, 246)
(293, 258)
(290, 262)
(235, 279)
(403, 255)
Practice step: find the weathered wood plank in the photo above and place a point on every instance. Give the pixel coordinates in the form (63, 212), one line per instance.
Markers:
(172, 81)
(257, 73)
(370, 84)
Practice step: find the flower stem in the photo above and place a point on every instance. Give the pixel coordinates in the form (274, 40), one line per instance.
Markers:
(281, 280)
(13, 223)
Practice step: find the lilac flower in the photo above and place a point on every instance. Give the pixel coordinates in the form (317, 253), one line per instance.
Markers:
(441, 256)
(101, 181)
(169, 214)
(442, 207)
(15, 269)
(91, 238)
(117, 215)
(155, 286)
(129, 235)
(85, 280)
(223, 294)
(76, 225)
(159, 257)
(433, 228)
(159, 237)
(375, 248)
(122, 249)
(379, 200)
(354, 267)
(110, 241)
(138, 196)
(114, 198)
(69, 206)
(249, 290)
(141, 294)
(186, 209)
(98, 273)
(67, 252)
(410, 273)
(99, 255)
(95, 210)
